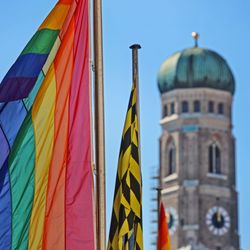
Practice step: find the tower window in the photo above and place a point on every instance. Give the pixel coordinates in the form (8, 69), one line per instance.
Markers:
(221, 108)
(172, 106)
(170, 158)
(171, 161)
(214, 159)
(165, 110)
(197, 106)
(184, 107)
(211, 107)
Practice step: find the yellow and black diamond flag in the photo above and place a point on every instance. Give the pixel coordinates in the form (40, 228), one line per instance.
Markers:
(126, 222)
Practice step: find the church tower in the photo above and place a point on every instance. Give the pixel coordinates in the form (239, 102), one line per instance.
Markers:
(197, 150)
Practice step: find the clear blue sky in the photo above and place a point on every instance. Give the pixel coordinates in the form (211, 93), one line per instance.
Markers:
(162, 27)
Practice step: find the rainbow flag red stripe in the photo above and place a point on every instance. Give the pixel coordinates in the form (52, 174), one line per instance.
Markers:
(46, 183)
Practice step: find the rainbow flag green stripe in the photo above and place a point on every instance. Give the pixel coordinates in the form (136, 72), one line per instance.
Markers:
(42, 42)
(21, 169)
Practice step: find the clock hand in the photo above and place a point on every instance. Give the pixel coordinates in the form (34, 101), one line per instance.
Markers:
(218, 215)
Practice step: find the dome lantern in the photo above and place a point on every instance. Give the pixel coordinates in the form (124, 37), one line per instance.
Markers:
(196, 37)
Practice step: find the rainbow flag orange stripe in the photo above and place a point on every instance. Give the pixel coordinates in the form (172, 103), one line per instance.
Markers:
(46, 183)
(163, 234)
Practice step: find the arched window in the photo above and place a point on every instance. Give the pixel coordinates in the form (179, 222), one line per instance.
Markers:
(171, 159)
(221, 108)
(184, 107)
(172, 107)
(214, 159)
(197, 106)
(211, 107)
(165, 110)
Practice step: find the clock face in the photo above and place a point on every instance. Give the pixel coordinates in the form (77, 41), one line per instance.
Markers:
(218, 220)
(172, 218)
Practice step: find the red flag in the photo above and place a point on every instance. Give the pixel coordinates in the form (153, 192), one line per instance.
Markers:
(163, 235)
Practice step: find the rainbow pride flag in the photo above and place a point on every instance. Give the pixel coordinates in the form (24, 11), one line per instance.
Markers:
(46, 182)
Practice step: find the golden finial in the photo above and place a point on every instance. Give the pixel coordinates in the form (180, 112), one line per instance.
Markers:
(196, 36)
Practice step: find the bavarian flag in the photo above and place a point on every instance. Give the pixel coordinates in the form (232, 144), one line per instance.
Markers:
(126, 222)
(163, 235)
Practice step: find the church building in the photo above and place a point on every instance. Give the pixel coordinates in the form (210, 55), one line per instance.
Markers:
(197, 150)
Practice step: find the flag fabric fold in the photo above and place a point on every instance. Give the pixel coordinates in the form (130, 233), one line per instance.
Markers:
(163, 234)
(46, 182)
(126, 222)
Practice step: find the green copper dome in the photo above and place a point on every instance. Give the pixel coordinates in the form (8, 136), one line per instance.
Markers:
(195, 68)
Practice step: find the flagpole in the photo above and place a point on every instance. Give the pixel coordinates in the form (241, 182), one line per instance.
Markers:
(135, 76)
(99, 126)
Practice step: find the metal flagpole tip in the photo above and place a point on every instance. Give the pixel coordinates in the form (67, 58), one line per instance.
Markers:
(135, 46)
